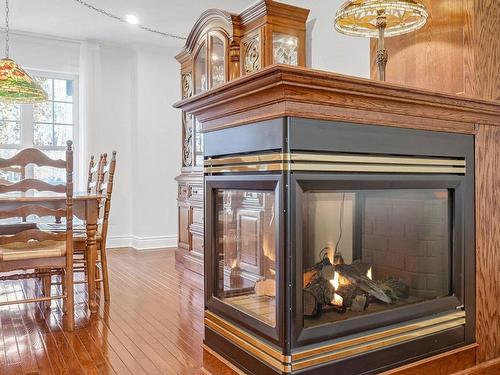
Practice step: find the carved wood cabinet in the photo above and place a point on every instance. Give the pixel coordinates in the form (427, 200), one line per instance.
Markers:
(222, 47)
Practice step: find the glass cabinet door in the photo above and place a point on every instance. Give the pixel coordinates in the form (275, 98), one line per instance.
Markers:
(200, 70)
(285, 49)
(198, 144)
(217, 62)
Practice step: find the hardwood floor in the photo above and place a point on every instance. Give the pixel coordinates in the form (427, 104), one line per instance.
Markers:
(152, 325)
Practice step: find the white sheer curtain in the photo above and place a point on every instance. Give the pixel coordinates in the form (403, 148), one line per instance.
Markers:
(90, 101)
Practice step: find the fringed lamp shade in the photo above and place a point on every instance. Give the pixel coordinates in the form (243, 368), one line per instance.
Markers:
(16, 86)
(359, 17)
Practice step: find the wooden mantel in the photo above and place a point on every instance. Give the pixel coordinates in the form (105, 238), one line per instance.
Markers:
(279, 90)
(282, 90)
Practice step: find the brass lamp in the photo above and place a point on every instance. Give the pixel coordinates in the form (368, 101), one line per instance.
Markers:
(378, 19)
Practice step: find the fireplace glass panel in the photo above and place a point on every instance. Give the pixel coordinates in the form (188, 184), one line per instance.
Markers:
(368, 251)
(246, 248)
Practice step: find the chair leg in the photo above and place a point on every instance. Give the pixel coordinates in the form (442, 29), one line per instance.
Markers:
(104, 270)
(69, 301)
(47, 287)
(64, 291)
(98, 275)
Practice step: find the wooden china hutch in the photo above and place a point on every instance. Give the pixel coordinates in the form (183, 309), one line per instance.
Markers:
(222, 47)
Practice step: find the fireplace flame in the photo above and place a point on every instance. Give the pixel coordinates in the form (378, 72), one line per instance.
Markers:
(337, 299)
(335, 282)
(369, 273)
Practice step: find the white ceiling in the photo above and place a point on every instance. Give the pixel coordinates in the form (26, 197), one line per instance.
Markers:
(69, 19)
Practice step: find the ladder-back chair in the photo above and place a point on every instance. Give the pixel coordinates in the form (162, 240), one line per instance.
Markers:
(39, 253)
(100, 181)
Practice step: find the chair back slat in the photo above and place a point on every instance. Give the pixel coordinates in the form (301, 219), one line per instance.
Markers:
(32, 235)
(103, 174)
(90, 182)
(32, 209)
(95, 175)
(31, 184)
(31, 156)
(109, 175)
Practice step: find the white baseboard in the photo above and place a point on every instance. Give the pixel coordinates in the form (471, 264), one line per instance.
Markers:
(142, 243)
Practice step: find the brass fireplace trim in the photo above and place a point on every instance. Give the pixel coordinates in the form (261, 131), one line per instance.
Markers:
(378, 335)
(341, 349)
(333, 163)
(249, 343)
(259, 344)
(371, 345)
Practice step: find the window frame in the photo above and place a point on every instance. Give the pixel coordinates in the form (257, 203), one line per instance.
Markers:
(27, 122)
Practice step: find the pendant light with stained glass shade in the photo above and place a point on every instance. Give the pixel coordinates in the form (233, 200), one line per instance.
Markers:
(16, 86)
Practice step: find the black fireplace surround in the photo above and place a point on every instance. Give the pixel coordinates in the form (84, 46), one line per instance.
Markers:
(337, 247)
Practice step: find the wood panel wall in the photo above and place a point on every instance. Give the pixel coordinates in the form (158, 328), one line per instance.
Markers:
(457, 51)
(488, 242)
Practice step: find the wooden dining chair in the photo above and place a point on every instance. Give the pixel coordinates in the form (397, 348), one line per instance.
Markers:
(39, 253)
(100, 181)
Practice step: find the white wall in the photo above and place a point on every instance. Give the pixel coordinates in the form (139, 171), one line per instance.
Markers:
(156, 147)
(108, 120)
(38, 52)
(133, 114)
(328, 49)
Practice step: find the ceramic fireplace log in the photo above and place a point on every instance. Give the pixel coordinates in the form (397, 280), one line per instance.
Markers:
(351, 273)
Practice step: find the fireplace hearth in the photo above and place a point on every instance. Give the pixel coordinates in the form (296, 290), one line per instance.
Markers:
(336, 246)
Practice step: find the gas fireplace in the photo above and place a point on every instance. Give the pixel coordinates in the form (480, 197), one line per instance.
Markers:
(337, 246)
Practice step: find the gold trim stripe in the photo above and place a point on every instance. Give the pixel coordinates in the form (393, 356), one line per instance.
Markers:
(304, 167)
(236, 339)
(332, 158)
(341, 349)
(271, 162)
(376, 344)
(377, 335)
(256, 158)
(269, 350)
(375, 159)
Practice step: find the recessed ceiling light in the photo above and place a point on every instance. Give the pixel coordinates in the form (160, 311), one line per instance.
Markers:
(130, 18)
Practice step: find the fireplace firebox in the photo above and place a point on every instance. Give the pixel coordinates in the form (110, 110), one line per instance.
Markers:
(336, 246)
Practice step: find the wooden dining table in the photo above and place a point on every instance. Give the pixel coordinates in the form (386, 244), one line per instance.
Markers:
(85, 207)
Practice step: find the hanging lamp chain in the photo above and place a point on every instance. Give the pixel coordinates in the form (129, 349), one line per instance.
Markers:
(117, 18)
(7, 28)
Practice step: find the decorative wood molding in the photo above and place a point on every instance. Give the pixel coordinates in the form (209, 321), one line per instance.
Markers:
(272, 9)
(282, 90)
(210, 18)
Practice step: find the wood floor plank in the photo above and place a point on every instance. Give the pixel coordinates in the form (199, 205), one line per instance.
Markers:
(152, 325)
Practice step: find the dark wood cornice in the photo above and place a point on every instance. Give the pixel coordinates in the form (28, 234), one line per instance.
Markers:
(212, 17)
(282, 90)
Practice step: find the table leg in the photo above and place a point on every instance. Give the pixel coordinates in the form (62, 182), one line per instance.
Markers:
(91, 218)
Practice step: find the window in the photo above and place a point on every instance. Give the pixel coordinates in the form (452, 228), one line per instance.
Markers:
(46, 126)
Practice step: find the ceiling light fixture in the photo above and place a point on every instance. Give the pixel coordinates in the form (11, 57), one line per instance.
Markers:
(133, 20)
(16, 86)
